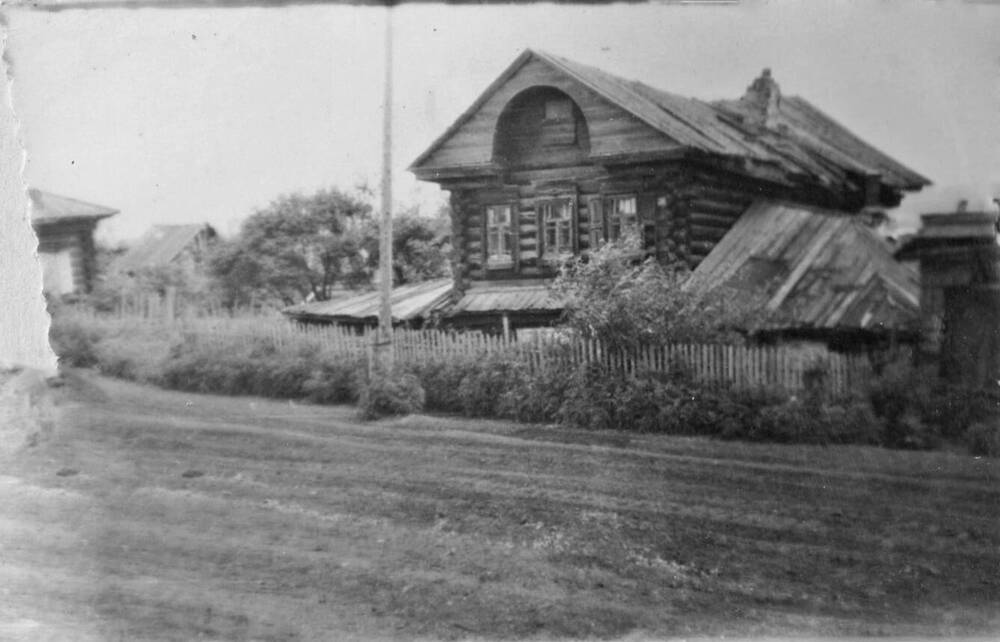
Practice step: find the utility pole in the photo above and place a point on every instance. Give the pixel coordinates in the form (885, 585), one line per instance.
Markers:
(383, 349)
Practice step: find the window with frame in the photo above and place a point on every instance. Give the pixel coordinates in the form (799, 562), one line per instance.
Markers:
(556, 219)
(558, 109)
(622, 216)
(499, 237)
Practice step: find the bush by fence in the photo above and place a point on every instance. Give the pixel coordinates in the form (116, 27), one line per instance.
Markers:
(763, 394)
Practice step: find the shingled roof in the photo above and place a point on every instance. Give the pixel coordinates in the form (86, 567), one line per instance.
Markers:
(793, 135)
(818, 270)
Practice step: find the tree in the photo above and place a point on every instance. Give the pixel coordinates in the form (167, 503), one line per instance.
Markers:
(420, 246)
(626, 302)
(297, 247)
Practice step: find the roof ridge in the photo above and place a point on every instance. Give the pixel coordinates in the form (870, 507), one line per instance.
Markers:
(573, 68)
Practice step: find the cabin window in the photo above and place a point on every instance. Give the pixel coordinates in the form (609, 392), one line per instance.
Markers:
(558, 110)
(622, 217)
(499, 240)
(556, 218)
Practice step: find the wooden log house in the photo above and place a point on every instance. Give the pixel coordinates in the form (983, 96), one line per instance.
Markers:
(556, 157)
(65, 230)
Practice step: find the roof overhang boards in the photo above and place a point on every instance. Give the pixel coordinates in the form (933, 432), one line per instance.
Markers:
(444, 174)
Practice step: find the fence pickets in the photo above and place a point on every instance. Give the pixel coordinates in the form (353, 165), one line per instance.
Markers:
(778, 366)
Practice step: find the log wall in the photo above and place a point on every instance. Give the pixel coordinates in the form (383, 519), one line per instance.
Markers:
(76, 237)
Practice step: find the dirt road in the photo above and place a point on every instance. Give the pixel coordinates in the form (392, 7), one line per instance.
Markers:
(152, 515)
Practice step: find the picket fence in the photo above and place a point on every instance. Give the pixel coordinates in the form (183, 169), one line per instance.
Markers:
(787, 367)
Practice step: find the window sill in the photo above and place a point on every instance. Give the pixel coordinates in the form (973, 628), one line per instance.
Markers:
(557, 259)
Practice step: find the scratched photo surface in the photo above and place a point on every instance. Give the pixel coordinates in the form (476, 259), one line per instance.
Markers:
(631, 321)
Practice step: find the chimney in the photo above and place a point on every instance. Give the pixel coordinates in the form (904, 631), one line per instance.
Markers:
(763, 98)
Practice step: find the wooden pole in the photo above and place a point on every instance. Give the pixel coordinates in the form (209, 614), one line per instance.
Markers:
(383, 356)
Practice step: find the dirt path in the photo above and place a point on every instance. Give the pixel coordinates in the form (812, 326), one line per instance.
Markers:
(152, 515)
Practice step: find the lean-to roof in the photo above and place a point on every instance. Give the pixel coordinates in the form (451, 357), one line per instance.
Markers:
(817, 270)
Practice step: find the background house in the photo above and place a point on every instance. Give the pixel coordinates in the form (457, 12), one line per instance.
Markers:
(65, 230)
(183, 247)
(165, 272)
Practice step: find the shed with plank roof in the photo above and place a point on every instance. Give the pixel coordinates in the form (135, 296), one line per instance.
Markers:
(65, 230)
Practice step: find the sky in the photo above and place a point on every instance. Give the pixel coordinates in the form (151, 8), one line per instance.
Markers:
(204, 115)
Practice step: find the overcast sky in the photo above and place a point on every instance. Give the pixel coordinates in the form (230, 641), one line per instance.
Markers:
(202, 115)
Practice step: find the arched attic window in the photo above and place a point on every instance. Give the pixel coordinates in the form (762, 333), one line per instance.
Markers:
(541, 127)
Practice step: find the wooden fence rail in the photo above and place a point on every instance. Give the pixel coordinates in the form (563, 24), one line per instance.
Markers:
(782, 366)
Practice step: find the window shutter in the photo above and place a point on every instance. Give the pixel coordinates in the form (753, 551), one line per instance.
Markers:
(574, 225)
(646, 207)
(485, 237)
(540, 230)
(515, 235)
(595, 209)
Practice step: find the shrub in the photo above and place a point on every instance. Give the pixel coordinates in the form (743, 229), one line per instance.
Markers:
(335, 380)
(614, 296)
(983, 438)
(73, 341)
(388, 395)
(789, 422)
(131, 356)
(953, 409)
(589, 399)
(441, 380)
(537, 397)
(911, 432)
(259, 367)
(483, 386)
(601, 398)
(852, 421)
(918, 410)
(705, 412)
(202, 369)
(891, 393)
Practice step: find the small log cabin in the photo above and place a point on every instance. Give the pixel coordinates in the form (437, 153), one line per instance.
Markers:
(65, 230)
(556, 157)
(183, 247)
(959, 260)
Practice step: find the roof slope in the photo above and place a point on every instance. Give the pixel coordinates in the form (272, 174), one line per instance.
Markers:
(800, 139)
(830, 143)
(409, 303)
(817, 269)
(499, 297)
(51, 208)
(160, 245)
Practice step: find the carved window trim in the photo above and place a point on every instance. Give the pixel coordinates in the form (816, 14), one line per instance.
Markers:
(621, 214)
(498, 235)
(556, 219)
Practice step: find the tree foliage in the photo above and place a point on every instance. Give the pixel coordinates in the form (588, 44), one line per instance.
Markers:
(420, 247)
(616, 297)
(303, 247)
(297, 247)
